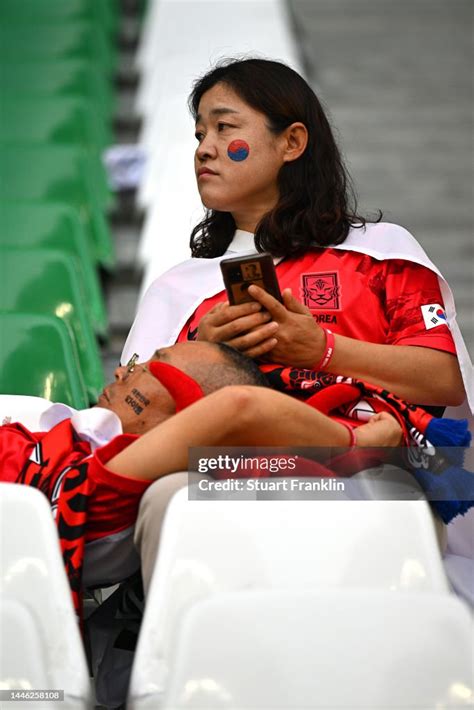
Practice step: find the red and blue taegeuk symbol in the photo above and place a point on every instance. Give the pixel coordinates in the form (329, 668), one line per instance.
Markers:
(440, 313)
(238, 150)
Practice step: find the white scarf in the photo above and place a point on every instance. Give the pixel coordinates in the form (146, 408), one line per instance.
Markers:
(96, 425)
(173, 297)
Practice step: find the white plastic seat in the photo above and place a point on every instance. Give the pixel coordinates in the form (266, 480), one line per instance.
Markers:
(366, 649)
(22, 408)
(40, 640)
(459, 557)
(211, 547)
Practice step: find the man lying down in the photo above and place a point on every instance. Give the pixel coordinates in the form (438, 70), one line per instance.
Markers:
(189, 394)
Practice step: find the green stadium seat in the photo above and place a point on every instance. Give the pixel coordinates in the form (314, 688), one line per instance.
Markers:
(102, 12)
(48, 119)
(59, 173)
(21, 41)
(38, 357)
(67, 77)
(46, 281)
(54, 226)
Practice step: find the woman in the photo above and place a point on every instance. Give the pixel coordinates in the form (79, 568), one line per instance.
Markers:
(271, 177)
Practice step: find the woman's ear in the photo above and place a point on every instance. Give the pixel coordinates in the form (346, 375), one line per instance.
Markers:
(296, 140)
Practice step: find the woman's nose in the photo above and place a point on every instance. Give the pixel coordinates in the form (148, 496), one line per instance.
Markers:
(206, 149)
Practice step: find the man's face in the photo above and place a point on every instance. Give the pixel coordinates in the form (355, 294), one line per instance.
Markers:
(139, 399)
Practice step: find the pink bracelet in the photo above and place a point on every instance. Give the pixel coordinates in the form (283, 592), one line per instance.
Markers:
(328, 352)
(352, 434)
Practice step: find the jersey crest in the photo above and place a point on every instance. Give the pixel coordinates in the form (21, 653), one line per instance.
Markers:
(321, 291)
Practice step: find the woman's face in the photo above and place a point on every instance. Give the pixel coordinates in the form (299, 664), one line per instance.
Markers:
(238, 177)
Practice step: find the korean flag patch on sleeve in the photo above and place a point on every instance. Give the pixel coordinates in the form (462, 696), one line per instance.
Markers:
(433, 315)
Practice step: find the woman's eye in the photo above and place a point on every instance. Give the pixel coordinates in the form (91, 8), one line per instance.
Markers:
(199, 136)
(222, 126)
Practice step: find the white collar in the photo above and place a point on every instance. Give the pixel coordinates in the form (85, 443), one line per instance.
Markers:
(96, 425)
(242, 241)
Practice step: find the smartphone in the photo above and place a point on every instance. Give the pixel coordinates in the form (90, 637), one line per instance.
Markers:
(242, 271)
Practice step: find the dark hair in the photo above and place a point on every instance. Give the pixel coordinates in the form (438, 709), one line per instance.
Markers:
(233, 369)
(317, 204)
(238, 369)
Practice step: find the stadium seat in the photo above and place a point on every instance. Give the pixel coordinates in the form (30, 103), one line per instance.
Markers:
(81, 39)
(68, 77)
(459, 558)
(46, 281)
(334, 649)
(59, 173)
(85, 160)
(40, 645)
(39, 357)
(209, 547)
(104, 13)
(23, 409)
(55, 226)
(52, 120)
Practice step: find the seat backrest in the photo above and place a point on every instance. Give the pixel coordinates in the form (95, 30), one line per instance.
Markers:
(63, 120)
(324, 649)
(48, 281)
(58, 77)
(211, 547)
(39, 358)
(53, 171)
(23, 409)
(60, 173)
(36, 603)
(55, 226)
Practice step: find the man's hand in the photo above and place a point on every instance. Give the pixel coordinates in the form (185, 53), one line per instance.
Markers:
(300, 341)
(245, 327)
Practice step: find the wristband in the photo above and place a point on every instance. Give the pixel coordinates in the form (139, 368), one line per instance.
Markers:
(353, 440)
(328, 352)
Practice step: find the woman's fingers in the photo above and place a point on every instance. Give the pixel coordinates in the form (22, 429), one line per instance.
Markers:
(292, 303)
(255, 338)
(261, 349)
(270, 304)
(222, 315)
(236, 328)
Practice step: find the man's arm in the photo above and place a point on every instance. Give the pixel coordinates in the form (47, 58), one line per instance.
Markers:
(242, 416)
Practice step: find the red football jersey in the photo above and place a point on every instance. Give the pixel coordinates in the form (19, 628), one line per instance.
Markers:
(358, 296)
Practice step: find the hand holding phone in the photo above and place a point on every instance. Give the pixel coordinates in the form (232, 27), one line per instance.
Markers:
(240, 272)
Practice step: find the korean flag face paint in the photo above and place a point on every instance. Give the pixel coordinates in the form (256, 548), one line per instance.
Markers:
(238, 150)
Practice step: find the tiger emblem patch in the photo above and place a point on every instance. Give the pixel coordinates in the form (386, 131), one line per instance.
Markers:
(321, 291)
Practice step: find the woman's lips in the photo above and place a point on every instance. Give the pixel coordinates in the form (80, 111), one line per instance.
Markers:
(206, 173)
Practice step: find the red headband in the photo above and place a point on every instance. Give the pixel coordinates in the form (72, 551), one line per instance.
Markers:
(181, 387)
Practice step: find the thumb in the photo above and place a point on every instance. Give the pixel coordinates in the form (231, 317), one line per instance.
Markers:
(292, 303)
